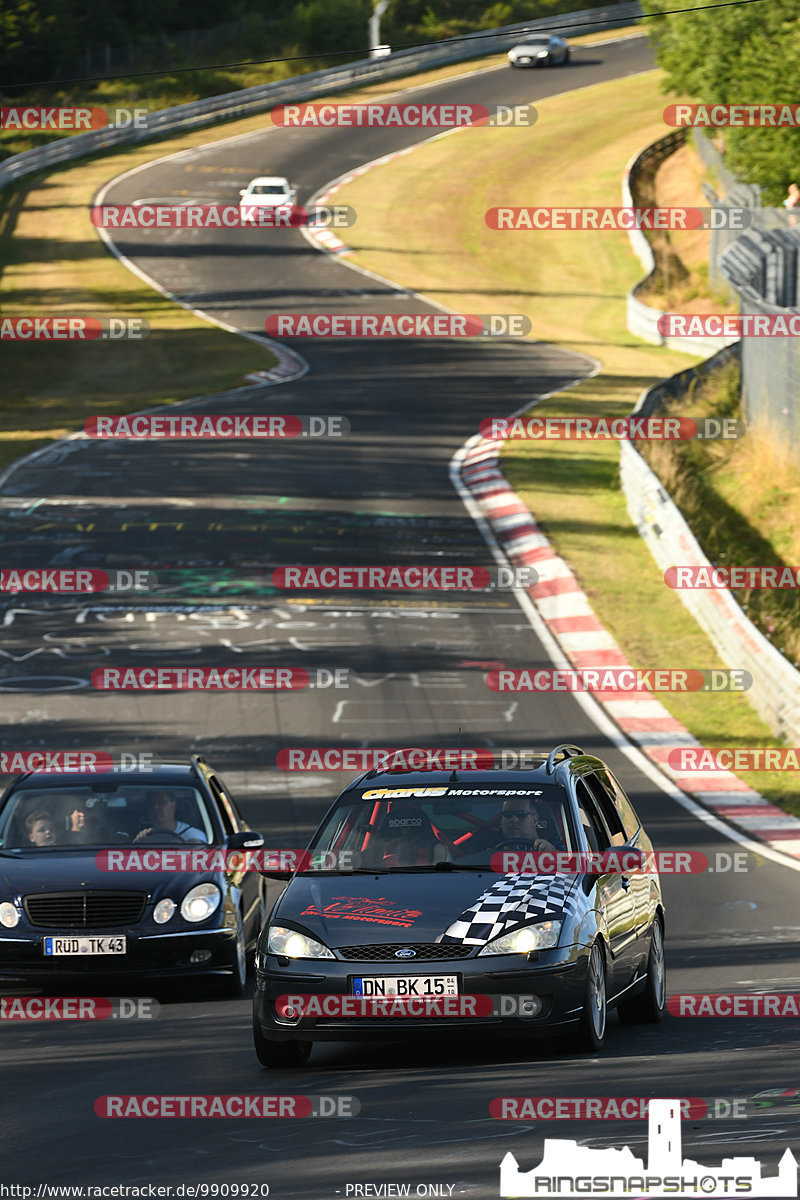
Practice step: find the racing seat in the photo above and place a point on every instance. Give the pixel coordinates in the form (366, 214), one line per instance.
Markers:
(407, 838)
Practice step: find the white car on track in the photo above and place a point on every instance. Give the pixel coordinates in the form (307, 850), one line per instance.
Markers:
(268, 192)
(539, 49)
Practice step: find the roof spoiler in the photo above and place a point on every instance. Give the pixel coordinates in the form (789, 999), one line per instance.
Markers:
(564, 750)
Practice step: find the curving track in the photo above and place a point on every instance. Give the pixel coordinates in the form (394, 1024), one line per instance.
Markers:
(417, 678)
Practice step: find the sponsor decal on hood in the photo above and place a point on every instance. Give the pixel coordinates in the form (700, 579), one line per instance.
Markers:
(362, 908)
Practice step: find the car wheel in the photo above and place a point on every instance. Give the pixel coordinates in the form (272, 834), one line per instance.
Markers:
(649, 1007)
(279, 1054)
(594, 1014)
(234, 983)
(565, 59)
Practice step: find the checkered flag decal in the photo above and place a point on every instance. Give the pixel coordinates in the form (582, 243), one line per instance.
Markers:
(514, 900)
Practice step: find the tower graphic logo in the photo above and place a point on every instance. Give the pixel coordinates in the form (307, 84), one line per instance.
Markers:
(568, 1169)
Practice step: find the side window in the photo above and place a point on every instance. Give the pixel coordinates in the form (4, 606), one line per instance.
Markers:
(597, 835)
(229, 823)
(604, 797)
(627, 813)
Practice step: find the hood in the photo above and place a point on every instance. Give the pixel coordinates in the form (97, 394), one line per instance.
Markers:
(353, 910)
(74, 870)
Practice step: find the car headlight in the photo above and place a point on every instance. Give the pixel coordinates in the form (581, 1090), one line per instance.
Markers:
(543, 936)
(543, 54)
(295, 945)
(9, 914)
(163, 911)
(200, 902)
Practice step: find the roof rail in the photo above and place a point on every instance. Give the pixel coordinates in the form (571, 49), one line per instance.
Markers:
(566, 749)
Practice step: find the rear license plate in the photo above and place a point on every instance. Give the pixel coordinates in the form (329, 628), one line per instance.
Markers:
(65, 946)
(405, 985)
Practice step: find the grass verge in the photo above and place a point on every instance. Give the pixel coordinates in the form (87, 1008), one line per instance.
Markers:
(572, 285)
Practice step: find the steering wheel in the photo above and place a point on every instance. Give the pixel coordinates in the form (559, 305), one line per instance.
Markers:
(516, 844)
(168, 835)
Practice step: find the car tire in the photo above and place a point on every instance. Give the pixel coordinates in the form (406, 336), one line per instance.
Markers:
(234, 984)
(648, 1008)
(594, 1014)
(565, 59)
(279, 1054)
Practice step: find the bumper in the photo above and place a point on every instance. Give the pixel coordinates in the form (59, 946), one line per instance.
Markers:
(148, 955)
(557, 978)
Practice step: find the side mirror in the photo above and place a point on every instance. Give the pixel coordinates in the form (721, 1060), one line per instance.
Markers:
(242, 191)
(247, 839)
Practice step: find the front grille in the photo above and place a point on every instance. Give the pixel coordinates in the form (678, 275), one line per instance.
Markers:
(433, 952)
(85, 910)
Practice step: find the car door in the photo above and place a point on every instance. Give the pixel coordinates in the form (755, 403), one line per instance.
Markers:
(248, 882)
(614, 891)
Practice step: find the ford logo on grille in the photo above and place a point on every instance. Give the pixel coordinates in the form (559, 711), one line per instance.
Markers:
(406, 952)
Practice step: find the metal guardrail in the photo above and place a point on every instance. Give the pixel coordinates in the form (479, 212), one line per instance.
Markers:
(249, 101)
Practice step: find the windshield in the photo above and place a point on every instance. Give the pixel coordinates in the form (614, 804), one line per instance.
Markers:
(268, 189)
(56, 818)
(384, 829)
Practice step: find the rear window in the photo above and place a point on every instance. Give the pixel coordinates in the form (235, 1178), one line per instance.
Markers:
(86, 816)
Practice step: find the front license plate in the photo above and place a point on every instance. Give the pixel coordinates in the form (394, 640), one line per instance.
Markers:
(65, 946)
(405, 985)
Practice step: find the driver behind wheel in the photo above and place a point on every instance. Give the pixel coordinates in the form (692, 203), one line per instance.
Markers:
(522, 821)
(161, 805)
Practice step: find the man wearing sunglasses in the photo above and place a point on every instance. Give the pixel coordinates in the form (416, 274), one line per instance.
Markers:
(522, 821)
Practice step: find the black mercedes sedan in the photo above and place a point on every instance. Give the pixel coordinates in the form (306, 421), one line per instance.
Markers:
(412, 922)
(129, 873)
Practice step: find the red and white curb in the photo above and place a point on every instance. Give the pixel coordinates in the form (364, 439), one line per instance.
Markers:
(567, 613)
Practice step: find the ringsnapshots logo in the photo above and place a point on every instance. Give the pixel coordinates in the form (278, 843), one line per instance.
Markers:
(217, 679)
(403, 116)
(568, 1169)
(237, 1106)
(397, 325)
(79, 1008)
(72, 581)
(145, 427)
(619, 429)
(402, 577)
(611, 218)
(619, 680)
(249, 214)
(726, 116)
(73, 329)
(70, 120)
